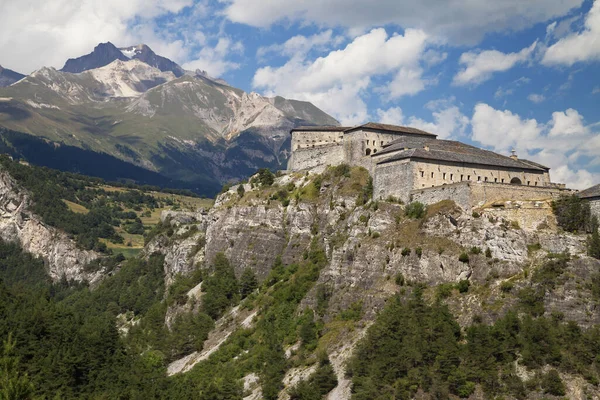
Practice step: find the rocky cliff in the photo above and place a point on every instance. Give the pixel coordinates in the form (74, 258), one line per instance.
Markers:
(64, 260)
(373, 249)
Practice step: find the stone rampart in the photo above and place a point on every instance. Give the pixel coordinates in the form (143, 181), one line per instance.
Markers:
(595, 206)
(469, 195)
(318, 156)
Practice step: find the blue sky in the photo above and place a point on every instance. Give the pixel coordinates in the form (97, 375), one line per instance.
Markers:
(498, 74)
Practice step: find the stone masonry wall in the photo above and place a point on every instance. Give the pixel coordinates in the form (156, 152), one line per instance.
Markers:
(442, 173)
(393, 179)
(477, 194)
(310, 139)
(459, 192)
(360, 145)
(321, 156)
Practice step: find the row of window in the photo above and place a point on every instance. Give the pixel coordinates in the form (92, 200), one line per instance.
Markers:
(514, 181)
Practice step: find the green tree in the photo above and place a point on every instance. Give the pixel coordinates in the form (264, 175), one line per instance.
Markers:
(14, 385)
(248, 282)
(572, 213)
(221, 288)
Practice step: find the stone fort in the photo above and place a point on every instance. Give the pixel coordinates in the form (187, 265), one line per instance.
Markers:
(413, 165)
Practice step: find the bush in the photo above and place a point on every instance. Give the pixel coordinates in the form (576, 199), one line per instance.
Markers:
(506, 286)
(475, 250)
(475, 214)
(463, 286)
(572, 213)
(375, 235)
(264, 177)
(415, 210)
(240, 190)
(463, 258)
(593, 245)
(552, 384)
(405, 252)
(400, 279)
(248, 282)
(488, 253)
(419, 252)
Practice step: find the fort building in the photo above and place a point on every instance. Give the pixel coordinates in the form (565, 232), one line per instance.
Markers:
(411, 164)
(592, 195)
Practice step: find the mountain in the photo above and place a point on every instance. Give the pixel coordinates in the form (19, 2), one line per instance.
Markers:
(290, 287)
(188, 128)
(8, 77)
(103, 54)
(106, 53)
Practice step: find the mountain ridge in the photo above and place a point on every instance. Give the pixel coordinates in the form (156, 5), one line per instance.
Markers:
(8, 76)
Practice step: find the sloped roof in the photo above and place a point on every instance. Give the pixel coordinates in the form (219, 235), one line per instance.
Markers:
(322, 128)
(534, 164)
(448, 150)
(390, 128)
(594, 191)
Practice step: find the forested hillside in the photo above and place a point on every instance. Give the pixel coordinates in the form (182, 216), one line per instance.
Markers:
(299, 287)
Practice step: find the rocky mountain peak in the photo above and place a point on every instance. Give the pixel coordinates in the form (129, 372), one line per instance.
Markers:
(103, 54)
(8, 77)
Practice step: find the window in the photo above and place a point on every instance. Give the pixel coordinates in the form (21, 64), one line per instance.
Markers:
(502, 180)
(444, 176)
(368, 152)
(485, 179)
(374, 151)
(528, 183)
(432, 174)
(478, 178)
(382, 142)
(535, 184)
(461, 178)
(451, 177)
(495, 180)
(468, 177)
(422, 174)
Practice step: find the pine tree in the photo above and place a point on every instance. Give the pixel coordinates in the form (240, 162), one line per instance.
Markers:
(13, 384)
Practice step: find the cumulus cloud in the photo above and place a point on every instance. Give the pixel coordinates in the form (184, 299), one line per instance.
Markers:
(447, 120)
(465, 21)
(300, 45)
(480, 66)
(578, 47)
(349, 72)
(37, 32)
(561, 144)
(214, 60)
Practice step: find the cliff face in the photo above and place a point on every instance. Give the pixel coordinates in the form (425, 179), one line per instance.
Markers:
(373, 247)
(18, 224)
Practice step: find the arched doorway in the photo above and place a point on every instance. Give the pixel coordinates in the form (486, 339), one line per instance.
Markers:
(368, 152)
(515, 181)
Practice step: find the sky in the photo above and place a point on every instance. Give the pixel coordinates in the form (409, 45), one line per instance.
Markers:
(502, 75)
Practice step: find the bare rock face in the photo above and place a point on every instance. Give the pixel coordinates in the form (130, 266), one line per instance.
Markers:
(18, 224)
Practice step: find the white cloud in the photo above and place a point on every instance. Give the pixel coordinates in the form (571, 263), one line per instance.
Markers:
(299, 45)
(213, 60)
(561, 144)
(536, 98)
(348, 72)
(447, 121)
(464, 21)
(568, 123)
(41, 32)
(480, 66)
(578, 47)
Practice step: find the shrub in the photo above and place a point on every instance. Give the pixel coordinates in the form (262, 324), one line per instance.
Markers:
(240, 190)
(464, 257)
(506, 286)
(415, 210)
(572, 213)
(475, 214)
(248, 282)
(352, 313)
(419, 252)
(475, 250)
(443, 291)
(488, 253)
(405, 252)
(552, 384)
(463, 286)
(400, 279)
(375, 235)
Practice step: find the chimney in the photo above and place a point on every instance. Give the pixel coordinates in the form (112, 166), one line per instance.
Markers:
(513, 154)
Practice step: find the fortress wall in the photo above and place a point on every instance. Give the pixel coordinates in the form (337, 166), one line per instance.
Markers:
(393, 179)
(310, 139)
(460, 193)
(443, 173)
(469, 195)
(332, 154)
(358, 143)
(530, 215)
